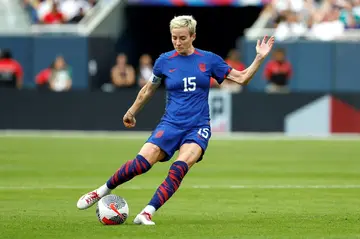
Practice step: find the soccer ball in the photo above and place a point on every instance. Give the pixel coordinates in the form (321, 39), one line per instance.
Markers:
(112, 210)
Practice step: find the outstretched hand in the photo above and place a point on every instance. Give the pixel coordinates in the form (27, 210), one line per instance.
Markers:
(264, 47)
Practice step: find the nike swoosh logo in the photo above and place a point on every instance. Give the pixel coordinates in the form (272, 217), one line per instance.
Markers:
(172, 70)
(112, 206)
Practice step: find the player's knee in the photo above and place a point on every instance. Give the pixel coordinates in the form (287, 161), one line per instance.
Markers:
(190, 154)
(152, 153)
(190, 159)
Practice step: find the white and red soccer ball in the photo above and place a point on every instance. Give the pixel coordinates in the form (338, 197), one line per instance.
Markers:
(112, 210)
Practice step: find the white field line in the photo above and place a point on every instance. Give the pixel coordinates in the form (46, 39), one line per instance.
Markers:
(191, 187)
(144, 134)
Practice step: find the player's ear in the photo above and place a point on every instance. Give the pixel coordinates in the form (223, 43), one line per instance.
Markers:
(193, 36)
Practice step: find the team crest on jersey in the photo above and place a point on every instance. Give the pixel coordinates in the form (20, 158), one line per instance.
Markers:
(202, 67)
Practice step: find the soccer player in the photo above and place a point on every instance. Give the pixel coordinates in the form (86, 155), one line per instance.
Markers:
(185, 125)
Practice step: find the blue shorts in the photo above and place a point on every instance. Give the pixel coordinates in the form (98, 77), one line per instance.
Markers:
(170, 138)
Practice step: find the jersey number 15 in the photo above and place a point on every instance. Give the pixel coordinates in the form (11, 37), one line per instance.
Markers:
(189, 84)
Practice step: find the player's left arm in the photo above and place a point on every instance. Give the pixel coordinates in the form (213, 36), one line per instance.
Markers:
(263, 48)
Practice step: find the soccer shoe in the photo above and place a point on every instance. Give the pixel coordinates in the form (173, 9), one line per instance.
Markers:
(144, 219)
(88, 200)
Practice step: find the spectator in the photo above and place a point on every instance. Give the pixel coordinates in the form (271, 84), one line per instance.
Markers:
(233, 60)
(145, 69)
(60, 79)
(315, 19)
(283, 6)
(71, 10)
(278, 72)
(122, 74)
(11, 73)
(326, 24)
(43, 77)
(290, 25)
(54, 16)
(356, 12)
(43, 7)
(78, 17)
(350, 15)
(31, 8)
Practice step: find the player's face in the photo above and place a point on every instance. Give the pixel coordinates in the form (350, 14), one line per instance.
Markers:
(182, 40)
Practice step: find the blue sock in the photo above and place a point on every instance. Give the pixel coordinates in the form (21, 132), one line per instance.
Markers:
(130, 169)
(176, 174)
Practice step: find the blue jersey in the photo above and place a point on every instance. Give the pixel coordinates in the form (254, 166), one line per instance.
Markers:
(187, 81)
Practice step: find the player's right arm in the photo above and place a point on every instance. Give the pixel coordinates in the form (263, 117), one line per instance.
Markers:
(263, 48)
(144, 95)
(142, 98)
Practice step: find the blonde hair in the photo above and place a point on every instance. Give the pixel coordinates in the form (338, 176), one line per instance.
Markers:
(184, 21)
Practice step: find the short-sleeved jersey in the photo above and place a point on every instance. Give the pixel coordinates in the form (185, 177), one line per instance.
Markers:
(187, 82)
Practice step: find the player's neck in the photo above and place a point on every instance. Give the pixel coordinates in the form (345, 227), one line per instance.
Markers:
(189, 52)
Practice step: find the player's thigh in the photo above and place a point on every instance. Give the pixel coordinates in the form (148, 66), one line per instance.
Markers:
(190, 153)
(167, 137)
(152, 153)
(194, 144)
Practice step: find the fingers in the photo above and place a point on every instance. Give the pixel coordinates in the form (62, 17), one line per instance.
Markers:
(129, 124)
(264, 40)
(271, 41)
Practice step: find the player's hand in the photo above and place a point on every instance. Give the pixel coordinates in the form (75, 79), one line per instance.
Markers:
(264, 47)
(129, 120)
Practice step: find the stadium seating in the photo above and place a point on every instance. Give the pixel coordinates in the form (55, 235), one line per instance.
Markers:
(57, 11)
(314, 19)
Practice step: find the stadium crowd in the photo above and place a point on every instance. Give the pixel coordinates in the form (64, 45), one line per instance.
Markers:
(58, 11)
(58, 75)
(323, 19)
(289, 17)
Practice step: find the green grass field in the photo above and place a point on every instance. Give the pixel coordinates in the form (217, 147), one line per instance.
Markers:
(246, 189)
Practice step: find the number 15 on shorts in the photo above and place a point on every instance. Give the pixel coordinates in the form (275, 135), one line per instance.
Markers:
(204, 132)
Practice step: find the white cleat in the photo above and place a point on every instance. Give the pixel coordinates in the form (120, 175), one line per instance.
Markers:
(144, 219)
(88, 200)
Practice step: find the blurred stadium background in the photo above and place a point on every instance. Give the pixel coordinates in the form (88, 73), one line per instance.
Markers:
(288, 142)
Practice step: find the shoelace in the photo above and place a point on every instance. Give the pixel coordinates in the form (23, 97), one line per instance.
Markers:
(93, 196)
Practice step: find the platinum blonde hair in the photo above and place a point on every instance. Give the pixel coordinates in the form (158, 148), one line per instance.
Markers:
(184, 21)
